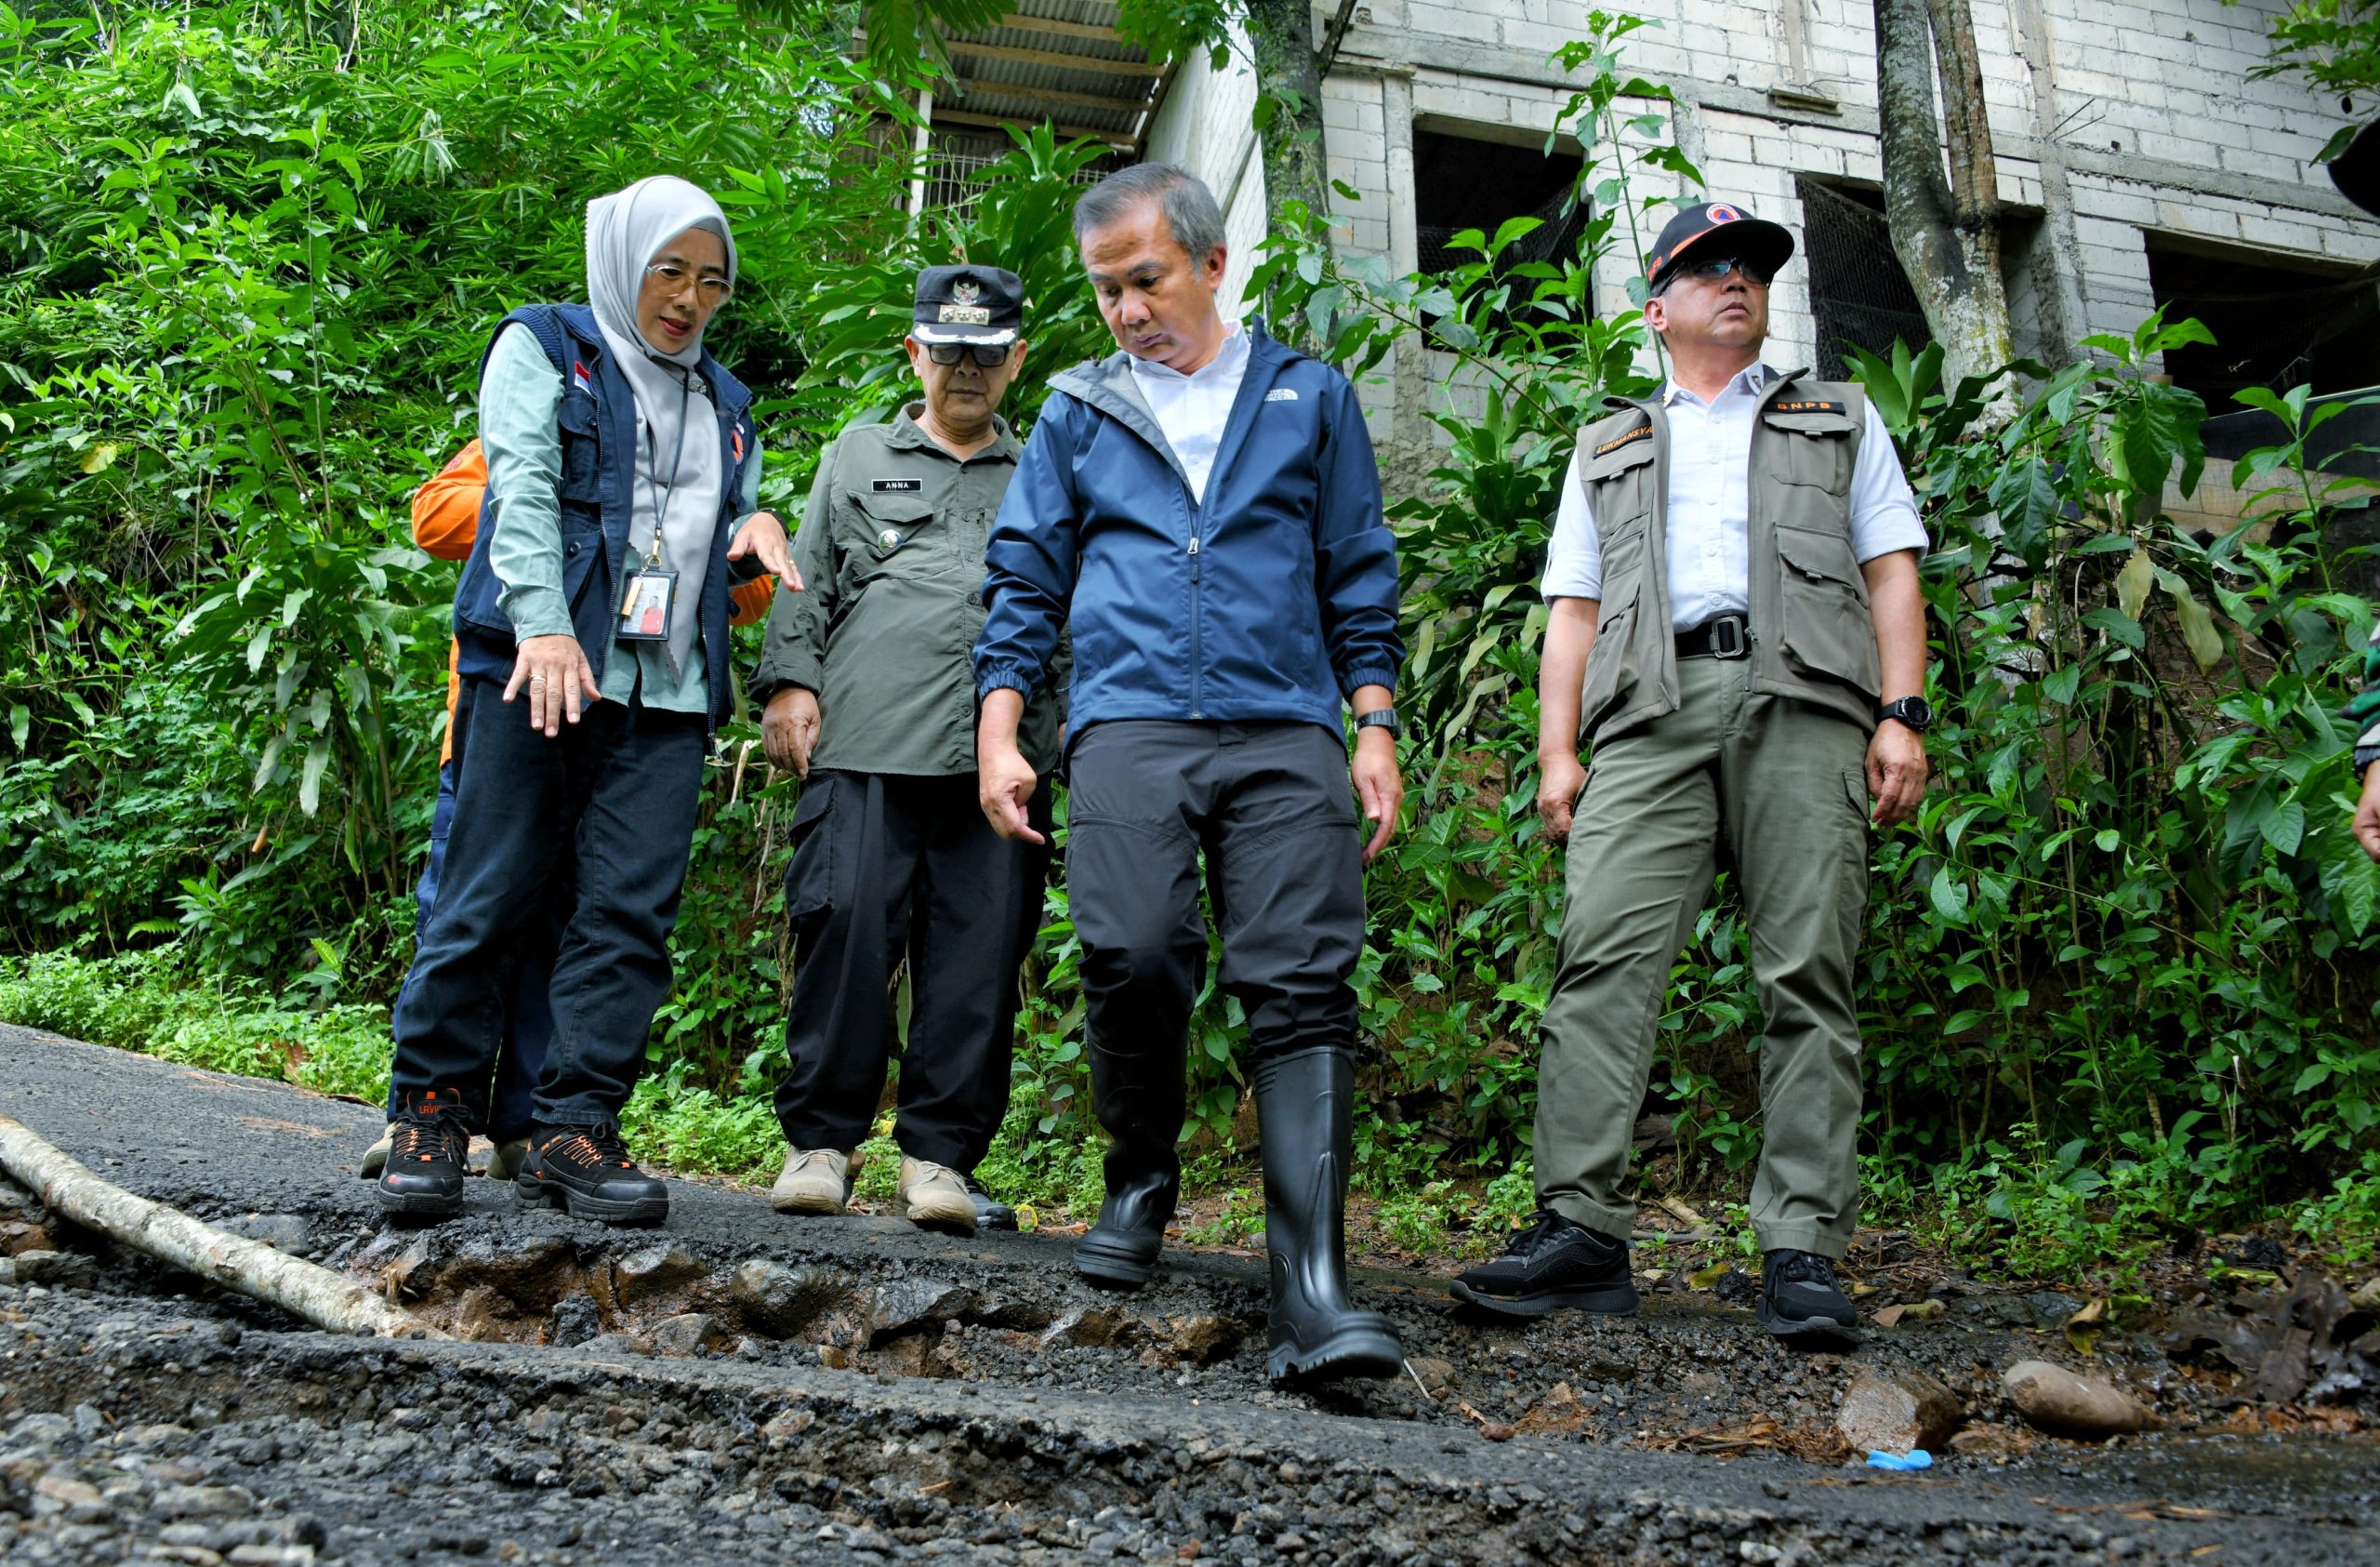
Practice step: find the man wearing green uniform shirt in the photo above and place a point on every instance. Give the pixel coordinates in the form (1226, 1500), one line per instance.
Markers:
(870, 695)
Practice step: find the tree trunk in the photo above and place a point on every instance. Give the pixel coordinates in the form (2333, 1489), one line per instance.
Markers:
(1280, 37)
(171, 1236)
(1941, 196)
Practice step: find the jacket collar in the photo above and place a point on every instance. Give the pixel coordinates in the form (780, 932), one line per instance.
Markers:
(1108, 385)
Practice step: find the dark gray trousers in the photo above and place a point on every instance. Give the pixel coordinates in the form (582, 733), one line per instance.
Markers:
(1270, 806)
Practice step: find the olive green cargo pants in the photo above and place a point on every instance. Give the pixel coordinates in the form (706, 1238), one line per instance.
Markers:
(1778, 790)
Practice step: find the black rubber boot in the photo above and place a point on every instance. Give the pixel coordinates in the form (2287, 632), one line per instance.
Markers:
(1304, 1105)
(1140, 1099)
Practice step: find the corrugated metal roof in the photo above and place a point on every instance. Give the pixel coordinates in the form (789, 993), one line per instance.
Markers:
(1027, 90)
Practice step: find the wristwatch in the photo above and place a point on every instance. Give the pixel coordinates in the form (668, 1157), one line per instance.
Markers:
(1380, 718)
(1913, 713)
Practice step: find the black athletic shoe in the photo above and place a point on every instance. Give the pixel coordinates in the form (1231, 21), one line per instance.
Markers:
(1799, 1298)
(1553, 1262)
(586, 1172)
(429, 1146)
(990, 1212)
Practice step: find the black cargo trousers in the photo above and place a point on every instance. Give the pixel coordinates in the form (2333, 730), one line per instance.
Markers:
(1271, 808)
(888, 868)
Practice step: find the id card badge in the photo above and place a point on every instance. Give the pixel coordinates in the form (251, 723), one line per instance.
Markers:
(646, 608)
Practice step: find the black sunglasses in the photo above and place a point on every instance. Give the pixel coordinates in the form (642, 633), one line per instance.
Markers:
(989, 356)
(1713, 268)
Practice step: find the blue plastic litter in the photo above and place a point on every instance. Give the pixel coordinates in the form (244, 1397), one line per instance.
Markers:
(1920, 1459)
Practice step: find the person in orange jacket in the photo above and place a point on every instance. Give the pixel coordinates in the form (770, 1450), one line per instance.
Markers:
(445, 525)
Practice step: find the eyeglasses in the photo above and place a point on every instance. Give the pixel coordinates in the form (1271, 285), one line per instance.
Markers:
(714, 290)
(989, 356)
(1711, 269)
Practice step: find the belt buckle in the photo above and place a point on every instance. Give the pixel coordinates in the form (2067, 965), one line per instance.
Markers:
(1729, 639)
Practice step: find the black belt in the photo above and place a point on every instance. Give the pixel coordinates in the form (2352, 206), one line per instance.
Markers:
(1722, 636)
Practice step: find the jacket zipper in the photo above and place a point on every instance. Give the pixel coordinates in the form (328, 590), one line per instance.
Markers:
(1197, 667)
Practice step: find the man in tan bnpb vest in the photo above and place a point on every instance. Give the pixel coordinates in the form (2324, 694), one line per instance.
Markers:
(1736, 626)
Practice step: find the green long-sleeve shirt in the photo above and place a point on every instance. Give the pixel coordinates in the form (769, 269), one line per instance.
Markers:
(891, 553)
(519, 392)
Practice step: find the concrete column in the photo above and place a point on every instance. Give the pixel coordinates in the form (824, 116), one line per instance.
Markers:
(2059, 285)
(1409, 365)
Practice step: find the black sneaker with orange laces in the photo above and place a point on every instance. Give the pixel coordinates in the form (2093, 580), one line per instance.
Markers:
(430, 1145)
(586, 1172)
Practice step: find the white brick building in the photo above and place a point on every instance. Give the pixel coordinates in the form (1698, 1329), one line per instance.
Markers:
(2141, 160)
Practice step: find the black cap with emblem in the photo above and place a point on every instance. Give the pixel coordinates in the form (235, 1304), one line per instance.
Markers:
(1718, 229)
(968, 304)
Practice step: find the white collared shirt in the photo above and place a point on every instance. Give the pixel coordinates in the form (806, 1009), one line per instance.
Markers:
(1192, 409)
(1709, 501)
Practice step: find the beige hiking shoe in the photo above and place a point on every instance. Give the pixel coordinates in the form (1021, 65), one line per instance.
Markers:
(504, 1163)
(815, 1181)
(935, 1197)
(375, 1157)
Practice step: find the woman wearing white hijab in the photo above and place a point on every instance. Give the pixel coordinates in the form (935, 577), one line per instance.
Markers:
(623, 483)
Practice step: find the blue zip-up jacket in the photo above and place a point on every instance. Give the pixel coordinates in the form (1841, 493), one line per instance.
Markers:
(597, 422)
(1273, 599)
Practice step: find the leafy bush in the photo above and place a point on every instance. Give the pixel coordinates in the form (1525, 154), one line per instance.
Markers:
(2119, 973)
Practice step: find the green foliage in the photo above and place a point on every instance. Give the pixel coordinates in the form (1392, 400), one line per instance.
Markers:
(2130, 926)
(2118, 975)
(2334, 45)
(140, 1001)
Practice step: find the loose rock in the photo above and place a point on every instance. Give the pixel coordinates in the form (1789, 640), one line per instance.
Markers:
(1897, 1413)
(654, 1270)
(59, 1270)
(1092, 1327)
(2067, 1403)
(202, 1501)
(781, 1301)
(689, 1334)
(914, 1303)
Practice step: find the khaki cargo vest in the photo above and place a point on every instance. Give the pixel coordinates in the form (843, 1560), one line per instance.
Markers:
(1813, 636)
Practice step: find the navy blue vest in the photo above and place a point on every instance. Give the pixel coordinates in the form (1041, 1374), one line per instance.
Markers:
(597, 422)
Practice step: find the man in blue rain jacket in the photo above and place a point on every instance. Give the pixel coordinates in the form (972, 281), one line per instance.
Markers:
(1202, 509)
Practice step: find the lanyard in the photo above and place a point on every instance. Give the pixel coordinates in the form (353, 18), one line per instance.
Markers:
(677, 458)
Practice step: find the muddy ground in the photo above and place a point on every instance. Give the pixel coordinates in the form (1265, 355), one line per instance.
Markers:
(740, 1386)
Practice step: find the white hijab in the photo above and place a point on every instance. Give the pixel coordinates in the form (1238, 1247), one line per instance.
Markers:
(625, 231)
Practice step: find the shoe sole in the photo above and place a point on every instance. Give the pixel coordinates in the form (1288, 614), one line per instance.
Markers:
(1600, 1300)
(816, 1207)
(1112, 1266)
(651, 1211)
(419, 1204)
(1827, 1328)
(1368, 1353)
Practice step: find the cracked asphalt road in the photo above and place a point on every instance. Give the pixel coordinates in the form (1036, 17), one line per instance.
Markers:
(742, 1386)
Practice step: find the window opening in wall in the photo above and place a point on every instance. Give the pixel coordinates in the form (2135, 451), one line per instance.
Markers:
(1474, 183)
(2277, 321)
(1858, 293)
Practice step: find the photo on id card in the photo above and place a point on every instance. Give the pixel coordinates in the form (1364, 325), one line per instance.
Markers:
(647, 606)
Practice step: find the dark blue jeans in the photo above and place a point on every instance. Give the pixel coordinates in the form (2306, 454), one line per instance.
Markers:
(592, 828)
(529, 1017)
